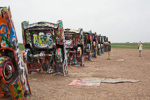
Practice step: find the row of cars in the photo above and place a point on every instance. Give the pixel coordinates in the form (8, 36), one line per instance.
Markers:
(49, 48)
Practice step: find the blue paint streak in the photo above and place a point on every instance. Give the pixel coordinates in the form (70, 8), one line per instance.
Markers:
(3, 25)
(12, 34)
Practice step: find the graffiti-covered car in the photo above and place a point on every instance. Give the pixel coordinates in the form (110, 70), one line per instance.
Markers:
(94, 45)
(99, 39)
(13, 76)
(45, 49)
(87, 44)
(102, 44)
(75, 46)
(105, 44)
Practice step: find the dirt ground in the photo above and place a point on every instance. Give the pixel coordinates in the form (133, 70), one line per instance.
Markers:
(55, 87)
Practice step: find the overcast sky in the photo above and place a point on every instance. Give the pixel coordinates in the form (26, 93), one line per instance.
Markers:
(120, 20)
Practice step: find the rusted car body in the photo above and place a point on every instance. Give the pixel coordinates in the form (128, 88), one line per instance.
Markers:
(45, 49)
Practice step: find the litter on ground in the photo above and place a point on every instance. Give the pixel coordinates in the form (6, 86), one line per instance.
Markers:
(120, 59)
(86, 82)
(97, 81)
(118, 80)
(34, 79)
(107, 60)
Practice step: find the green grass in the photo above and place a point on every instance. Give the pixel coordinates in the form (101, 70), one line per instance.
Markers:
(114, 45)
(21, 46)
(129, 45)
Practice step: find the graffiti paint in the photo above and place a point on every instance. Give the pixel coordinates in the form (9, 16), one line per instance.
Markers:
(88, 44)
(12, 70)
(46, 51)
(74, 42)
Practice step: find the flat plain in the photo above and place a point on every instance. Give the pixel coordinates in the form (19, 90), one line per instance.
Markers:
(124, 64)
(55, 87)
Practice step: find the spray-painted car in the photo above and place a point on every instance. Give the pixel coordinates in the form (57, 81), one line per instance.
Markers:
(105, 44)
(87, 44)
(45, 47)
(102, 44)
(13, 77)
(75, 46)
(99, 39)
(94, 45)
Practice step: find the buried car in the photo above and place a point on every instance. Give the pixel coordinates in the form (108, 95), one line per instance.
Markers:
(102, 44)
(87, 44)
(94, 45)
(45, 47)
(13, 76)
(75, 46)
(105, 44)
(99, 39)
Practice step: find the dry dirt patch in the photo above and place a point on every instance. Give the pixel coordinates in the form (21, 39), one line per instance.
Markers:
(55, 87)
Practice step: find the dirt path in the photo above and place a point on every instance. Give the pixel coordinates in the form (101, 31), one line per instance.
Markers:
(55, 87)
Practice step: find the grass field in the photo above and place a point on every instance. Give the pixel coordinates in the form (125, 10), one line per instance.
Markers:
(114, 45)
(130, 45)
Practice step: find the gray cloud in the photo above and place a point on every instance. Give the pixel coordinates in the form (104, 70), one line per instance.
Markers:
(120, 20)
